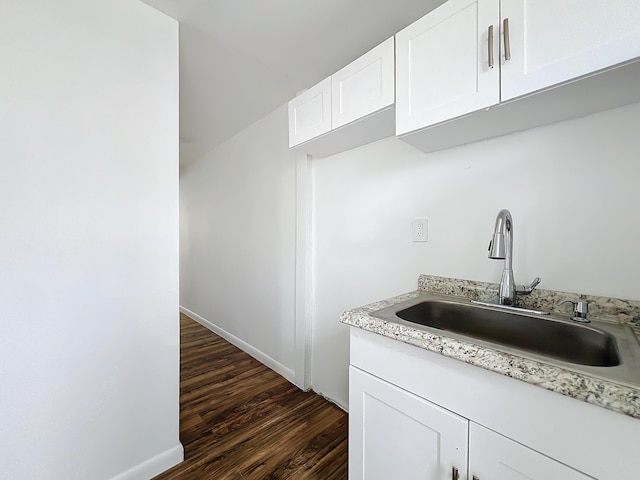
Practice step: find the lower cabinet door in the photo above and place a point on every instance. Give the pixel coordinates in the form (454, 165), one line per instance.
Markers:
(494, 457)
(395, 435)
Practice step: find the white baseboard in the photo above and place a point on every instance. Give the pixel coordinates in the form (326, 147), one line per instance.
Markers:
(154, 466)
(337, 403)
(244, 346)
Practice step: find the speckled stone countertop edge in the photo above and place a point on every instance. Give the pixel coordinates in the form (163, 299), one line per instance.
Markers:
(595, 391)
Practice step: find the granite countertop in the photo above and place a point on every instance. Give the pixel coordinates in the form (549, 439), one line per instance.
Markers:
(596, 390)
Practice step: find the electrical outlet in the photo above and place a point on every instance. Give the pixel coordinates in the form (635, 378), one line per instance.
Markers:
(419, 230)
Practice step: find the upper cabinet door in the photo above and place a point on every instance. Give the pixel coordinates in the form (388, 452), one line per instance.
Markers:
(553, 42)
(364, 86)
(492, 456)
(443, 64)
(310, 113)
(394, 434)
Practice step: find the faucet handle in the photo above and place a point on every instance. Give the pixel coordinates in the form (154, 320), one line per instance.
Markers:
(580, 310)
(522, 290)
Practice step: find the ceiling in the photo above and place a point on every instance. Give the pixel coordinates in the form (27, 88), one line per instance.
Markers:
(242, 59)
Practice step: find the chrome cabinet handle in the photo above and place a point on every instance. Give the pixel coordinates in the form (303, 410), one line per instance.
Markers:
(507, 42)
(454, 474)
(490, 43)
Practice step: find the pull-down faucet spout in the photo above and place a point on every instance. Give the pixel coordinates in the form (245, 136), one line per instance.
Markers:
(501, 248)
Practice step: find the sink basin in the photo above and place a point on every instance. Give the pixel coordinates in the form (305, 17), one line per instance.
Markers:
(602, 349)
(570, 342)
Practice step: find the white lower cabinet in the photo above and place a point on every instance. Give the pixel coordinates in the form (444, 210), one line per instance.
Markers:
(495, 457)
(394, 434)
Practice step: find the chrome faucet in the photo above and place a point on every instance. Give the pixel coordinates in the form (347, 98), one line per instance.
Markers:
(501, 248)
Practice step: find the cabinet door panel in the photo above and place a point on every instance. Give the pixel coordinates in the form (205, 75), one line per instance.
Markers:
(553, 42)
(310, 113)
(364, 86)
(492, 456)
(442, 64)
(395, 434)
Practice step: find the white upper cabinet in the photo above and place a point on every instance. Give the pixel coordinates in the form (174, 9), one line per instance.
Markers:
(553, 42)
(310, 113)
(351, 108)
(469, 55)
(467, 60)
(447, 64)
(364, 86)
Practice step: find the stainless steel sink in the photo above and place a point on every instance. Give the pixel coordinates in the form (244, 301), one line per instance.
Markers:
(546, 336)
(593, 348)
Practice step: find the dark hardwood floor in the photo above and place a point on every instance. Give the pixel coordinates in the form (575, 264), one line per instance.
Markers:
(239, 420)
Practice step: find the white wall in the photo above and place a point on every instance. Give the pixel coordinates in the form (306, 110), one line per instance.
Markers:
(572, 188)
(237, 243)
(89, 243)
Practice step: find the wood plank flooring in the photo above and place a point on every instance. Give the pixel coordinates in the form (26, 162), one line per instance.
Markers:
(239, 420)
